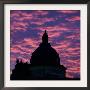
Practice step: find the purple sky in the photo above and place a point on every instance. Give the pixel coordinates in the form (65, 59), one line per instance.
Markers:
(63, 27)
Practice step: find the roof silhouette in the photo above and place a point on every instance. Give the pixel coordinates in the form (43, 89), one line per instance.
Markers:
(45, 54)
(44, 64)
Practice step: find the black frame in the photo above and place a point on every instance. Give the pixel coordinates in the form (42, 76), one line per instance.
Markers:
(2, 2)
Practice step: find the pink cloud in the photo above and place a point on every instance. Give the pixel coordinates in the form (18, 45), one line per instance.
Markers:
(71, 37)
(22, 50)
(21, 16)
(20, 29)
(75, 18)
(22, 21)
(19, 49)
(27, 14)
(29, 41)
(69, 75)
(68, 11)
(48, 19)
(40, 12)
(24, 60)
(25, 18)
(73, 49)
(60, 46)
(37, 23)
(50, 34)
(23, 24)
(15, 50)
(18, 26)
(14, 15)
(64, 43)
(41, 21)
(53, 28)
(74, 36)
(56, 34)
(56, 28)
(74, 69)
(12, 58)
(74, 61)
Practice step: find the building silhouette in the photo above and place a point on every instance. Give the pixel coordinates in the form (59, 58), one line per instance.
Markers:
(44, 64)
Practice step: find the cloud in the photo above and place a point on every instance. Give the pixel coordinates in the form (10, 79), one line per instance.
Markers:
(63, 28)
(41, 21)
(74, 70)
(72, 19)
(24, 60)
(68, 11)
(13, 58)
(73, 49)
(74, 61)
(68, 75)
(15, 50)
(74, 36)
(26, 46)
(56, 28)
(12, 15)
(40, 12)
(18, 26)
(56, 34)
(29, 41)
(20, 15)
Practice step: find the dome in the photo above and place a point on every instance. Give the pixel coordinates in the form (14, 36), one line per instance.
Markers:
(45, 54)
(44, 64)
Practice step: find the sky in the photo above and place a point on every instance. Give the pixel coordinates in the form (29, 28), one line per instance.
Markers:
(63, 28)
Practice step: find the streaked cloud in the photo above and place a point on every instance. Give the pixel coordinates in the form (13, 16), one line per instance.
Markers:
(68, 11)
(75, 18)
(63, 28)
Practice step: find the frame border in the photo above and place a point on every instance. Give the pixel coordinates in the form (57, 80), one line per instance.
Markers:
(2, 2)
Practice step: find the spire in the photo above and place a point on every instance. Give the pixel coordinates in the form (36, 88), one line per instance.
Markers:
(45, 37)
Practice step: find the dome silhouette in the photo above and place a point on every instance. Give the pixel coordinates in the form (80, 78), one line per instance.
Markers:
(45, 54)
(44, 64)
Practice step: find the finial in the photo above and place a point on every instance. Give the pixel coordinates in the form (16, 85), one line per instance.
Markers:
(45, 31)
(45, 37)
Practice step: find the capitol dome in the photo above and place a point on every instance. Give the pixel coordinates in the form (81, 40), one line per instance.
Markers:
(45, 54)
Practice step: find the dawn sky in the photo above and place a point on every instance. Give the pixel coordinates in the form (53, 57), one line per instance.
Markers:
(63, 28)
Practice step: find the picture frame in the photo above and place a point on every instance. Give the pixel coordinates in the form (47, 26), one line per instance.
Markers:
(2, 3)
